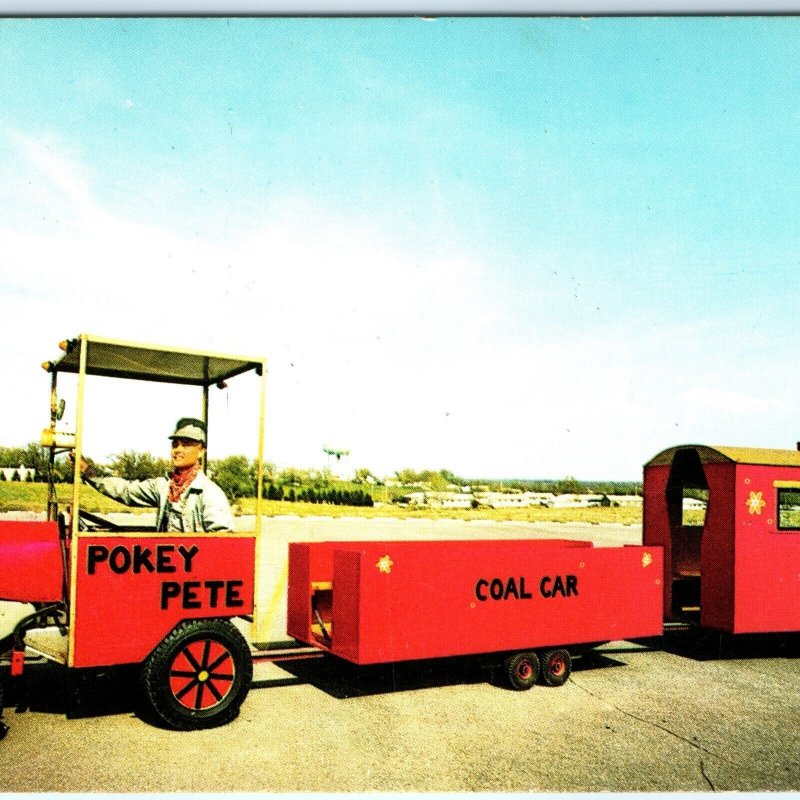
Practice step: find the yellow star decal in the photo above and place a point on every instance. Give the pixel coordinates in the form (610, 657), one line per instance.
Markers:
(755, 502)
(647, 559)
(385, 564)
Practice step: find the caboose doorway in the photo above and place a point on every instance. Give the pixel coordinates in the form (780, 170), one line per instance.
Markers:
(687, 499)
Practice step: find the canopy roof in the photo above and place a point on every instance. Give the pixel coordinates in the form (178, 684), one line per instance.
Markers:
(737, 455)
(119, 359)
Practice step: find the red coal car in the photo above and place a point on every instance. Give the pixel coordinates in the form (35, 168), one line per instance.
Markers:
(528, 602)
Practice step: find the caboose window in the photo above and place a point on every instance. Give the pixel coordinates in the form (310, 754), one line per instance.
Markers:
(789, 509)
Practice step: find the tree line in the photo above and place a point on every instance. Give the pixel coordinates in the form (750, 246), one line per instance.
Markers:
(442, 479)
(237, 476)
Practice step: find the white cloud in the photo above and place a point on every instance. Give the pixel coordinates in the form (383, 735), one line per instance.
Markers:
(405, 357)
(361, 336)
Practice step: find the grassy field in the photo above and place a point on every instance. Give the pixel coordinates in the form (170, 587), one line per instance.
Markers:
(33, 497)
(16, 496)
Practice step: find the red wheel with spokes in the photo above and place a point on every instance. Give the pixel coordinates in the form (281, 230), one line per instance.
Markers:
(202, 674)
(199, 676)
(522, 669)
(556, 667)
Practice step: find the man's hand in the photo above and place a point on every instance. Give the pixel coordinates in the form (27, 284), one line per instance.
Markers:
(87, 467)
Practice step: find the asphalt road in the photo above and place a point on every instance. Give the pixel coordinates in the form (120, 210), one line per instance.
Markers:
(686, 713)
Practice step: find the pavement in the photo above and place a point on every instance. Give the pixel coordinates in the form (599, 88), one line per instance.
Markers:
(685, 712)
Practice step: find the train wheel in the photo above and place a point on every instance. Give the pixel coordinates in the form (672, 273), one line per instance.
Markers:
(522, 670)
(199, 676)
(556, 667)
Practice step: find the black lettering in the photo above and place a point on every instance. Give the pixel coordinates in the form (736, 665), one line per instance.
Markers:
(188, 554)
(558, 586)
(119, 560)
(232, 598)
(511, 588)
(190, 595)
(141, 559)
(213, 591)
(169, 591)
(95, 554)
(572, 585)
(522, 593)
(496, 589)
(545, 592)
(481, 584)
(163, 558)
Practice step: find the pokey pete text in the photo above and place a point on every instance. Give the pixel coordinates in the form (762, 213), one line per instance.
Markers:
(166, 558)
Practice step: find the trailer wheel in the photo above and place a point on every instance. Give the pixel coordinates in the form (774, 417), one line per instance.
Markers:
(556, 667)
(522, 670)
(199, 676)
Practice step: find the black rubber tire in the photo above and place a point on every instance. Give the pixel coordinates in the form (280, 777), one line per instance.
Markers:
(199, 676)
(556, 667)
(522, 670)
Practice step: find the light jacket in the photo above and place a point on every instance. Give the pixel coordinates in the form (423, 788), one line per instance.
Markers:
(205, 507)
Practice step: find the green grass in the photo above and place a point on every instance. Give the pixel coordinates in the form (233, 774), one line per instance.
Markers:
(33, 497)
(15, 496)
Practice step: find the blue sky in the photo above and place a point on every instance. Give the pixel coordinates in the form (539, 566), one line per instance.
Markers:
(505, 246)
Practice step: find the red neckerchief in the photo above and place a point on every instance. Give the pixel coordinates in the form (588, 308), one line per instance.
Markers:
(179, 480)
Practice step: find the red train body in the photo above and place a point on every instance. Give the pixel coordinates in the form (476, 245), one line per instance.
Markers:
(525, 603)
(739, 571)
(373, 602)
(156, 581)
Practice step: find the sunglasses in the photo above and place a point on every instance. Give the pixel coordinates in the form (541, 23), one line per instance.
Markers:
(185, 443)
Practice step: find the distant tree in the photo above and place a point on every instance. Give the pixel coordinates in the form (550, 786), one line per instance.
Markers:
(135, 466)
(268, 470)
(12, 456)
(292, 477)
(451, 477)
(437, 481)
(364, 475)
(568, 485)
(235, 477)
(38, 458)
(321, 479)
(407, 477)
(273, 492)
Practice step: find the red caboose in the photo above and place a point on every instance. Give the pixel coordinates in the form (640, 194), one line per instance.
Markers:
(738, 569)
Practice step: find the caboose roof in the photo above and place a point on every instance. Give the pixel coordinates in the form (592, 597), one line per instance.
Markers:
(737, 455)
